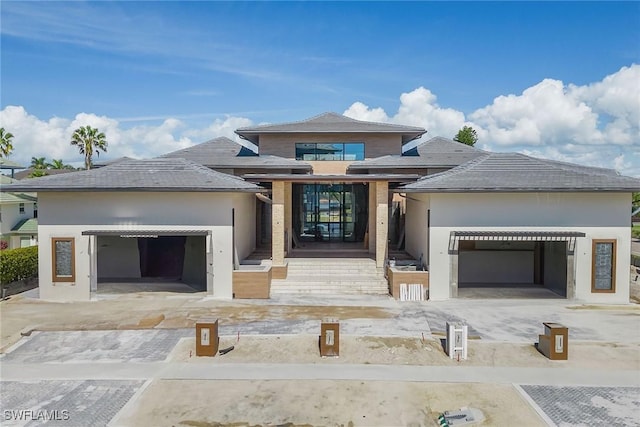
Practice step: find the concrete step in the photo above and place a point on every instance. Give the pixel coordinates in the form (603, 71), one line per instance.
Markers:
(331, 272)
(329, 279)
(332, 276)
(324, 289)
(328, 292)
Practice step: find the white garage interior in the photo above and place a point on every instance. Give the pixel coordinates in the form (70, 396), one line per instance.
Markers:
(514, 261)
(134, 261)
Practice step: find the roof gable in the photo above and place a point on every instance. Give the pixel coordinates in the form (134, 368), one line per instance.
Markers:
(139, 175)
(26, 226)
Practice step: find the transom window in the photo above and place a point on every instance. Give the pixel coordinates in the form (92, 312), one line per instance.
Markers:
(313, 151)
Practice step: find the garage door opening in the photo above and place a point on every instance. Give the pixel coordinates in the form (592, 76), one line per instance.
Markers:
(513, 265)
(147, 262)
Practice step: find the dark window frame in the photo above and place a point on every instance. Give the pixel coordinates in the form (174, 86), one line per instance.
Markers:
(317, 157)
(21, 208)
(614, 249)
(54, 259)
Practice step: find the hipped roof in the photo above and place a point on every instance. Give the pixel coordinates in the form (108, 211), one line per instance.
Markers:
(514, 172)
(139, 175)
(331, 123)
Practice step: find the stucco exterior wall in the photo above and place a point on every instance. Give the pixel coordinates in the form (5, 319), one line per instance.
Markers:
(416, 231)
(245, 224)
(69, 214)
(376, 145)
(598, 215)
(118, 258)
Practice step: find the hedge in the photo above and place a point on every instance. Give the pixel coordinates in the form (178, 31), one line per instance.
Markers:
(18, 264)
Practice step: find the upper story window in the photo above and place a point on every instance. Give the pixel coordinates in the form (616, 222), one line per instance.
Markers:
(345, 151)
(35, 210)
(21, 208)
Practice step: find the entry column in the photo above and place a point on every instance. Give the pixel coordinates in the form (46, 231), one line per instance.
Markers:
(278, 223)
(278, 227)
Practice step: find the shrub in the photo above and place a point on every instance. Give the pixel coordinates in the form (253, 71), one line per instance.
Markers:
(18, 264)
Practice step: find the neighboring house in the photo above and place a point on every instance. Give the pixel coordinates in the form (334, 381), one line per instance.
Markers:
(18, 213)
(332, 183)
(10, 165)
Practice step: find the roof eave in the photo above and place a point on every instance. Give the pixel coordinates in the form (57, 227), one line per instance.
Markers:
(147, 189)
(516, 190)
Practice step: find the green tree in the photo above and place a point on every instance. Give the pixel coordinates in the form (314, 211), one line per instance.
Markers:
(59, 164)
(466, 135)
(39, 163)
(89, 140)
(635, 200)
(37, 173)
(5, 143)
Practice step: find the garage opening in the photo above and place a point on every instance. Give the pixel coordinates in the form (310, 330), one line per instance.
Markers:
(513, 265)
(150, 261)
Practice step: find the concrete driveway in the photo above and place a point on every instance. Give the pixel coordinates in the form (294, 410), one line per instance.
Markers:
(119, 370)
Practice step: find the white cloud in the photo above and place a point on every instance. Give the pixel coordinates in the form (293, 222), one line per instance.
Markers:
(417, 108)
(34, 137)
(595, 124)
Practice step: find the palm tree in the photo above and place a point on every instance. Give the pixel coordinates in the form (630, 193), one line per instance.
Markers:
(5, 143)
(59, 164)
(36, 173)
(88, 140)
(39, 163)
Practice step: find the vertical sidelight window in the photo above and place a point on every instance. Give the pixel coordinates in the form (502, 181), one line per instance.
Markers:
(603, 269)
(63, 257)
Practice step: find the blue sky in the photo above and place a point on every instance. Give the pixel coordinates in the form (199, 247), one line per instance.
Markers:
(558, 80)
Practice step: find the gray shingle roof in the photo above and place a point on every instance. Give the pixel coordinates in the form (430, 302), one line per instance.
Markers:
(437, 152)
(139, 175)
(110, 162)
(225, 153)
(513, 172)
(331, 123)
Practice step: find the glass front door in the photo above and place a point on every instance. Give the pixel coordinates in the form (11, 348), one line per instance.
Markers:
(330, 212)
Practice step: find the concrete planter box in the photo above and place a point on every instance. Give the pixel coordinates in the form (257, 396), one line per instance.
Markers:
(405, 274)
(252, 281)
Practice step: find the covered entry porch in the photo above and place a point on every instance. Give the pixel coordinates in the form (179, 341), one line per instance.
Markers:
(328, 212)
